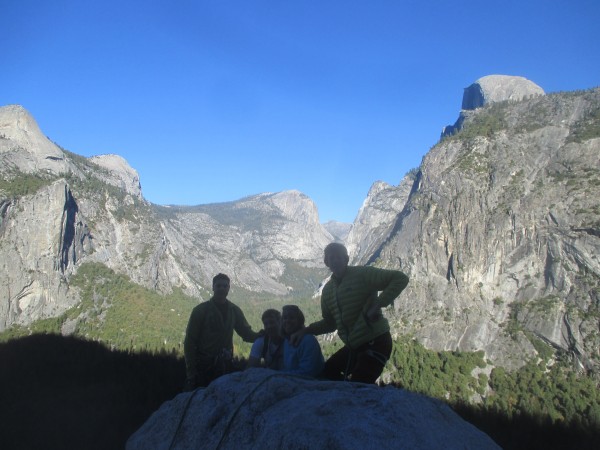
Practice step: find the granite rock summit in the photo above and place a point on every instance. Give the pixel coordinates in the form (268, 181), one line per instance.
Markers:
(493, 89)
(260, 408)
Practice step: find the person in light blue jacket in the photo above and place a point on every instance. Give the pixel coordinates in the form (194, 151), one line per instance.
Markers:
(305, 358)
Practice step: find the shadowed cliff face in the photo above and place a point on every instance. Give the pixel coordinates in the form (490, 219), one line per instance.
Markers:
(38, 247)
(67, 239)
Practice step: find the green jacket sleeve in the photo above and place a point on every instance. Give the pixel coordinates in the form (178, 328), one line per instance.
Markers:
(327, 323)
(390, 282)
(321, 327)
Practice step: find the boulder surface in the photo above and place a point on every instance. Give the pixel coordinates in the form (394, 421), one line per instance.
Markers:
(261, 408)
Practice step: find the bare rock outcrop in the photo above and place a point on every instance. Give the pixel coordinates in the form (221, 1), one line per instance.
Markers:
(492, 89)
(59, 210)
(50, 240)
(253, 239)
(338, 230)
(377, 217)
(119, 173)
(23, 147)
(500, 236)
(260, 408)
(498, 88)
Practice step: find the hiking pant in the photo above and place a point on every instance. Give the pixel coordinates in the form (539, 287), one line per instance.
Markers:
(208, 369)
(363, 364)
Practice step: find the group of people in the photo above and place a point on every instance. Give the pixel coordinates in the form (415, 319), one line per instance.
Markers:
(351, 303)
(275, 351)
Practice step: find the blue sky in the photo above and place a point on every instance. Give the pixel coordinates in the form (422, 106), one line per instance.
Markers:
(213, 101)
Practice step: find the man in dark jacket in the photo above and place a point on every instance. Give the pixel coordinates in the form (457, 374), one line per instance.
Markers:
(208, 345)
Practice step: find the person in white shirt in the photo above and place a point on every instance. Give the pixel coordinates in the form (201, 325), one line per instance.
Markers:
(267, 350)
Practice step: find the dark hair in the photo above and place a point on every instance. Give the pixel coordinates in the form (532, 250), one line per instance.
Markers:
(296, 310)
(220, 276)
(271, 313)
(334, 247)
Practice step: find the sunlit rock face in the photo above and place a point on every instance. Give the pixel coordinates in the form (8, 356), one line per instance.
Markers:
(59, 210)
(119, 173)
(492, 89)
(260, 408)
(501, 234)
(498, 88)
(338, 230)
(376, 218)
(23, 147)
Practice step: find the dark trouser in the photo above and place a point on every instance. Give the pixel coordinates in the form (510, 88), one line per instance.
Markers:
(209, 369)
(363, 364)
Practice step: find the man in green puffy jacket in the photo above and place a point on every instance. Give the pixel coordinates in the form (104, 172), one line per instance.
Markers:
(350, 304)
(208, 345)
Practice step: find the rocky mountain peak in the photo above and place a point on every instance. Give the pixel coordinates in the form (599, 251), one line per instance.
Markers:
(296, 206)
(120, 173)
(261, 241)
(24, 147)
(492, 89)
(377, 217)
(498, 88)
(339, 230)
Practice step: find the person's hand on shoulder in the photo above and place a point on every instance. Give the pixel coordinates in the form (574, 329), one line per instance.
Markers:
(296, 337)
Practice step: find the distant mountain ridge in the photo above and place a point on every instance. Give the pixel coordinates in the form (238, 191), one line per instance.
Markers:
(75, 210)
(499, 230)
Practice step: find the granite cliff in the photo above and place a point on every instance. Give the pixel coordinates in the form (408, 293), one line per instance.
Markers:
(493, 89)
(499, 229)
(59, 210)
